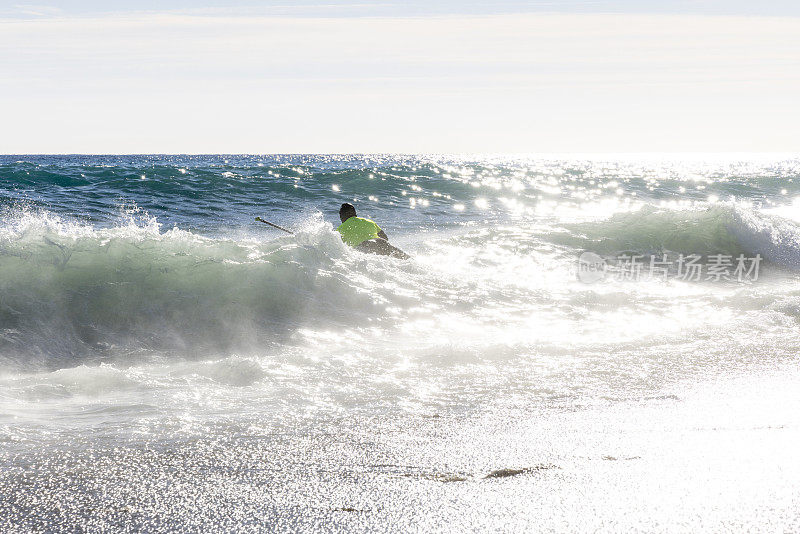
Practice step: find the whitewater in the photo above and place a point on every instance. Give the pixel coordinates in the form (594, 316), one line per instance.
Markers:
(167, 363)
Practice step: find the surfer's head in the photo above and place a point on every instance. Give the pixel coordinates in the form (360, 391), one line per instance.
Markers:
(347, 211)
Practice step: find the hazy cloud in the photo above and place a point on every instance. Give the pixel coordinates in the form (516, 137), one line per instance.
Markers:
(521, 83)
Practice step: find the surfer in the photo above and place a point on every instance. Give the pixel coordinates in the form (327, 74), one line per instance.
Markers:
(364, 234)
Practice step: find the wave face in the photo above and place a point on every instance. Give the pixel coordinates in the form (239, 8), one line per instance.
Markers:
(72, 293)
(142, 257)
(728, 229)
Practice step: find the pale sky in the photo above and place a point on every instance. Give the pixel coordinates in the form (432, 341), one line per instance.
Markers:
(274, 77)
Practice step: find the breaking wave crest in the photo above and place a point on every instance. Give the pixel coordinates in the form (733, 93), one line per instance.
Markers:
(72, 292)
(719, 229)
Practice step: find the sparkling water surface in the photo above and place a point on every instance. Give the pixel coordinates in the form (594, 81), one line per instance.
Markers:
(167, 363)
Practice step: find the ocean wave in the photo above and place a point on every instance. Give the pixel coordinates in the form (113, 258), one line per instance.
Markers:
(716, 229)
(71, 293)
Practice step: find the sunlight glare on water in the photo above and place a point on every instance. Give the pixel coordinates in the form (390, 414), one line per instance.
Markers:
(166, 363)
